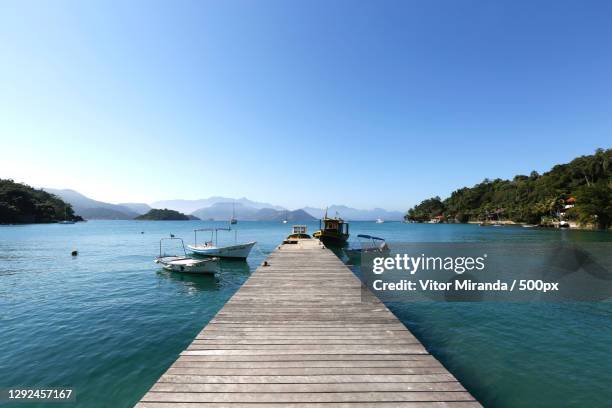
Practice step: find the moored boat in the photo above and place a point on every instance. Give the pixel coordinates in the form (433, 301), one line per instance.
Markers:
(368, 244)
(184, 263)
(333, 231)
(212, 248)
(297, 232)
(66, 220)
(233, 220)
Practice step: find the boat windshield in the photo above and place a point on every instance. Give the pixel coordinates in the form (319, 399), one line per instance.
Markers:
(331, 224)
(299, 229)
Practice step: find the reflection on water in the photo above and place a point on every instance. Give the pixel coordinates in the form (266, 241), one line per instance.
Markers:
(338, 251)
(192, 281)
(234, 266)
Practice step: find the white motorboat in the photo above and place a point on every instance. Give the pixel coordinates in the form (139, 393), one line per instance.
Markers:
(368, 244)
(187, 264)
(380, 221)
(212, 248)
(177, 263)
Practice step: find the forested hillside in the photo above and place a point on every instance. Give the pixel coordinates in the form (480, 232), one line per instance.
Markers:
(20, 203)
(534, 199)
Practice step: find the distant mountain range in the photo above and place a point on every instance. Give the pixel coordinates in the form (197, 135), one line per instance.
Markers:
(216, 208)
(190, 206)
(225, 210)
(268, 214)
(92, 209)
(354, 214)
(140, 208)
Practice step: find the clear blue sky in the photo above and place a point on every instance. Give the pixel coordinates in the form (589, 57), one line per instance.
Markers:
(299, 103)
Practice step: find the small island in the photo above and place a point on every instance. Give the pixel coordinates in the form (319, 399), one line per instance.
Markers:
(165, 215)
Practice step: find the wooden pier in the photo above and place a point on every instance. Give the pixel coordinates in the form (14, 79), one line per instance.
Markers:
(299, 334)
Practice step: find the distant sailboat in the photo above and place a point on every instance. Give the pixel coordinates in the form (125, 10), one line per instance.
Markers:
(66, 220)
(233, 220)
(285, 219)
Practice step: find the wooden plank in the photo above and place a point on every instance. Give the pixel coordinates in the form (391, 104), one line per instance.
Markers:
(303, 332)
(308, 379)
(405, 404)
(342, 358)
(304, 371)
(309, 357)
(186, 361)
(292, 397)
(328, 387)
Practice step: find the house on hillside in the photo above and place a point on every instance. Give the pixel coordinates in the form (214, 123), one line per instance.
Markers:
(436, 220)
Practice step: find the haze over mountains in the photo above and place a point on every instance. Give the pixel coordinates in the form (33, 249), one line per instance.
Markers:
(189, 206)
(93, 209)
(216, 208)
(354, 214)
(225, 210)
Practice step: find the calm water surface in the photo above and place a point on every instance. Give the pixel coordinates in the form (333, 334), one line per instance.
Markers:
(109, 322)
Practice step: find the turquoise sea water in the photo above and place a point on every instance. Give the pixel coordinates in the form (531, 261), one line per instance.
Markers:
(108, 323)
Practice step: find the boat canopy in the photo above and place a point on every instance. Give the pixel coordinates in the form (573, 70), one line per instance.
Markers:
(213, 234)
(171, 238)
(370, 237)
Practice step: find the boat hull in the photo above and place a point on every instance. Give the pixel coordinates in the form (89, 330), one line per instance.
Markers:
(328, 239)
(240, 251)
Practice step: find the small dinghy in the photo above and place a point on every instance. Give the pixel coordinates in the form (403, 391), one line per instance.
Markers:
(177, 263)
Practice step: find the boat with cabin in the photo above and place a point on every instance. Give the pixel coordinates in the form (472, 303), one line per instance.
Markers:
(184, 263)
(212, 247)
(298, 232)
(332, 231)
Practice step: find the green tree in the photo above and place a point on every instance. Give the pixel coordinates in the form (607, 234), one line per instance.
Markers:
(594, 204)
(426, 210)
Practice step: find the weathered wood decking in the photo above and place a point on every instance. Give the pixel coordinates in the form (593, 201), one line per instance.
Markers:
(298, 334)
